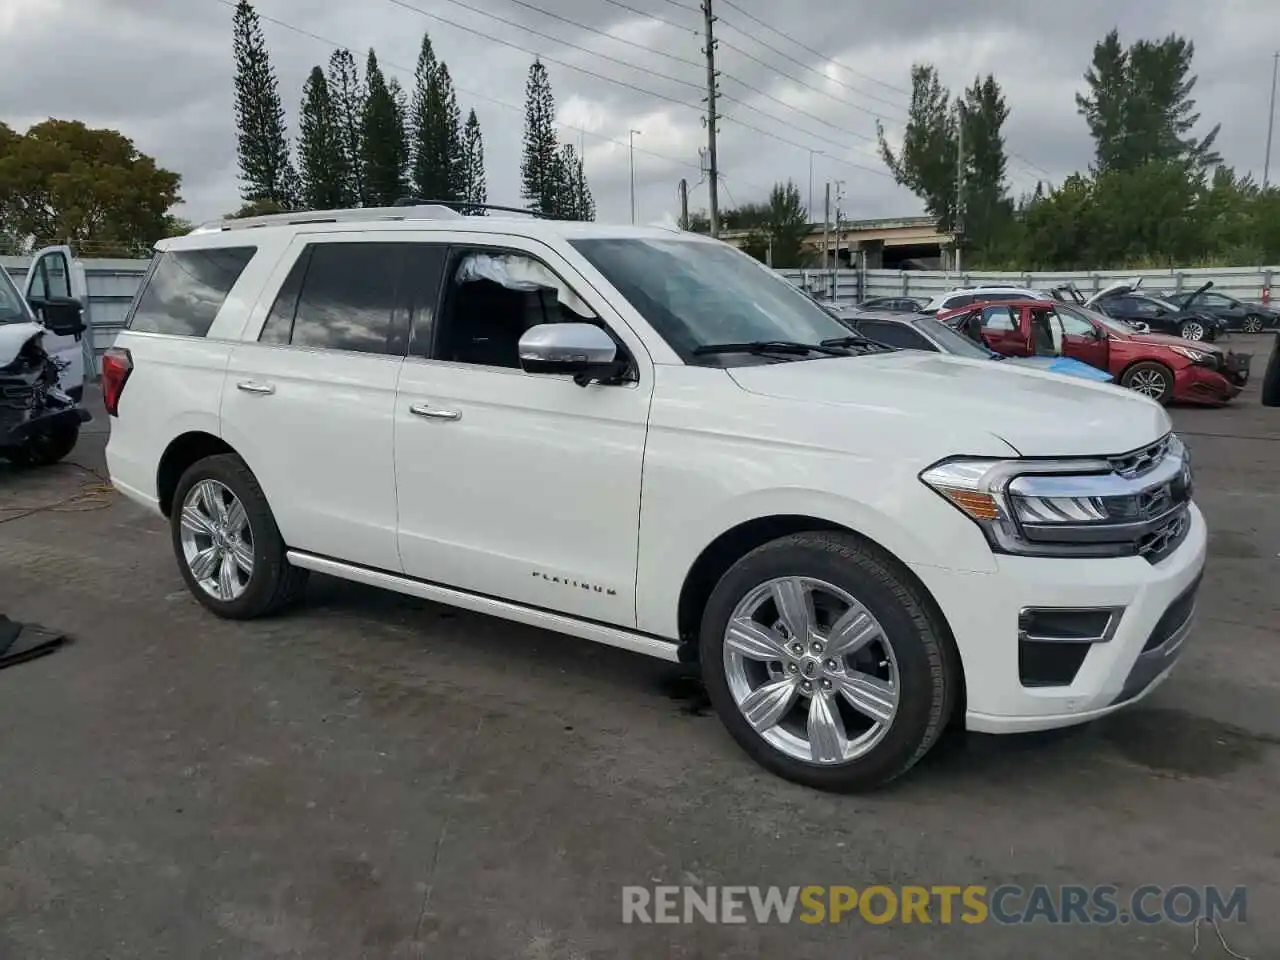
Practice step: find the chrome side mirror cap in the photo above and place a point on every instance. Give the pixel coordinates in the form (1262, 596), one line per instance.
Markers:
(582, 350)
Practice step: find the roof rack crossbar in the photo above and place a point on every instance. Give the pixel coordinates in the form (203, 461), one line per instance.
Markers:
(430, 211)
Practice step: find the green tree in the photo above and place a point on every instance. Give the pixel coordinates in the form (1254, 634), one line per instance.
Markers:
(987, 211)
(384, 151)
(573, 195)
(431, 176)
(346, 91)
(321, 153)
(262, 144)
(474, 191)
(1139, 107)
(66, 181)
(926, 163)
(776, 229)
(540, 170)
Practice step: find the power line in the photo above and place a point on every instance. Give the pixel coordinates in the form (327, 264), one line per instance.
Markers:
(803, 113)
(557, 40)
(653, 16)
(781, 139)
(573, 23)
(822, 56)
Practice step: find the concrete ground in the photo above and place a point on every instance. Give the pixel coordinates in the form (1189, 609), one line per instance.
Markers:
(375, 776)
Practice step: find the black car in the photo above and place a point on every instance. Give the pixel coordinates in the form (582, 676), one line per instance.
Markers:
(893, 304)
(1124, 301)
(1236, 314)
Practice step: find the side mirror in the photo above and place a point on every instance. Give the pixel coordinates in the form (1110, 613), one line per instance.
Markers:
(62, 317)
(582, 350)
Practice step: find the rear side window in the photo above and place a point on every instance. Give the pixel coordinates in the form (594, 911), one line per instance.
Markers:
(894, 334)
(340, 296)
(186, 289)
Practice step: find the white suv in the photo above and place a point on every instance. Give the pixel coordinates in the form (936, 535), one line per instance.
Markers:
(644, 438)
(963, 296)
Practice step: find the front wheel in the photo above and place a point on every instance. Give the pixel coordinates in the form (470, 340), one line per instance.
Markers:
(228, 546)
(1150, 379)
(1253, 324)
(47, 447)
(825, 664)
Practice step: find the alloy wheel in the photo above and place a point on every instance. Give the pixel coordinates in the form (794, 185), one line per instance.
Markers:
(217, 540)
(1192, 331)
(1252, 324)
(811, 670)
(1149, 383)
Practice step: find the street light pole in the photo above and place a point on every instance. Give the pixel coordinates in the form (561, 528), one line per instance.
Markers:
(1271, 119)
(631, 139)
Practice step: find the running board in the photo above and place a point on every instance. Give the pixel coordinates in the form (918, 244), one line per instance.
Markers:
(531, 616)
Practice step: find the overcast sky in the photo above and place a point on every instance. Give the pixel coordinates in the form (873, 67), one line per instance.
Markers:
(161, 72)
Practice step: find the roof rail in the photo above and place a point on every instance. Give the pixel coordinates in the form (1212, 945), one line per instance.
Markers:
(463, 207)
(428, 211)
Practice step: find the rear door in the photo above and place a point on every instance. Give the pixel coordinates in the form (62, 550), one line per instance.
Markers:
(1002, 330)
(54, 275)
(309, 396)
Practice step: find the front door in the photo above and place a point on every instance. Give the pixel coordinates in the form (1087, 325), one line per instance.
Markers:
(1083, 341)
(54, 275)
(309, 395)
(517, 485)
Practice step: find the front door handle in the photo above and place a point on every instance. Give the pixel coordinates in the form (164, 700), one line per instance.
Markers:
(422, 410)
(253, 386)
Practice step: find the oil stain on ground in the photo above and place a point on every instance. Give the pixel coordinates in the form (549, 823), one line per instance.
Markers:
(1180, 744)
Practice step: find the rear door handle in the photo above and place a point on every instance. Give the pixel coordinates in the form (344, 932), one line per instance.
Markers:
(253, 386)
(422, 410)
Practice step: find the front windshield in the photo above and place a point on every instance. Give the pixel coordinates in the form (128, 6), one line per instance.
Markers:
(12, 309)
(952, 342)
(697, 294)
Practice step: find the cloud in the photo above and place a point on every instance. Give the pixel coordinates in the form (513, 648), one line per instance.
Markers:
(160, 71)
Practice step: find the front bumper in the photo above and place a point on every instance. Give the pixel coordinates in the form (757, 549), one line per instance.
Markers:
(1154, 604)
(1203, 384)
(17, 433)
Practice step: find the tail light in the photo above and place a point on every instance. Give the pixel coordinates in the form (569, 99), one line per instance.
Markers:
(117, 364)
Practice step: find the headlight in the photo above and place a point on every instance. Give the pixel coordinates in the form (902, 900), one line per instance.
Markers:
(1095, 507)
(1195, 356)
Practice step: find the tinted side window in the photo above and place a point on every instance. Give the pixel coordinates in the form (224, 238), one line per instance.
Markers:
(345, 300)
(186, 290)
(955, 303)
(895, 335)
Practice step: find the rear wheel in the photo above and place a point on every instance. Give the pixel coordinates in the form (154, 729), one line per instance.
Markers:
(1150, 379)
(825, 664)
(1253, 323)
(227, 543)
(1191, 330)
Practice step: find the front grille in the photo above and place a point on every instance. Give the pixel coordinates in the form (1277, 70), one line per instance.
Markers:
(1139, 462)
(1165, 539)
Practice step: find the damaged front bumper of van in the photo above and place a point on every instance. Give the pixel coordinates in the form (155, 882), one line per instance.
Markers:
(28, 408)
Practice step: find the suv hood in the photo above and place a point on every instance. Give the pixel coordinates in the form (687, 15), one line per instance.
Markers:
(1038, 414)
(13, 337)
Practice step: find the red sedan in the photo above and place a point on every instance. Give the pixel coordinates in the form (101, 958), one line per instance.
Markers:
(1163, 368)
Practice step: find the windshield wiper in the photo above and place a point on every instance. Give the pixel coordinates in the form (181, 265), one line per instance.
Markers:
(858, 340)
(791, 347)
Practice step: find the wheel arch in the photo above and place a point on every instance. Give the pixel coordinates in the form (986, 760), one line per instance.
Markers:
(182, 452)
(735, 543)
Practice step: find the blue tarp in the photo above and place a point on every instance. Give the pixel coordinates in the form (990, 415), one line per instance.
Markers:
(1063, 365)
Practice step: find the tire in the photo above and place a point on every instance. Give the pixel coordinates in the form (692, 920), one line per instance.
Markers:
(46, 448)
(271, 583)
(1146, 377)
(1193, 330)
(1253, 323)
(909, 647)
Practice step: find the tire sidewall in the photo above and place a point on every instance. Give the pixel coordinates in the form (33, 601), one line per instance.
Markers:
(919, 711)
(1164, 372)
(61, 443)
(268, 549)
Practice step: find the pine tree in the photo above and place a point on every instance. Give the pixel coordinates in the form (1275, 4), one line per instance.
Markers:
(346, 90)
(451, 134)
(261, 140)
(540, 167)
(322, 159)
(426, 176)
(383, 145)
(574, 199)
(473, 184)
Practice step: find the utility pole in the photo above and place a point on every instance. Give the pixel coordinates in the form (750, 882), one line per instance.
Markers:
(684, 204)
(1271, 119)
(713, 182)
(632, 144)
(826, 230)
(957, 228)
(810, 207)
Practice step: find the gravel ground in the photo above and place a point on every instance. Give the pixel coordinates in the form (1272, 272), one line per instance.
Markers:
(376, 776)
